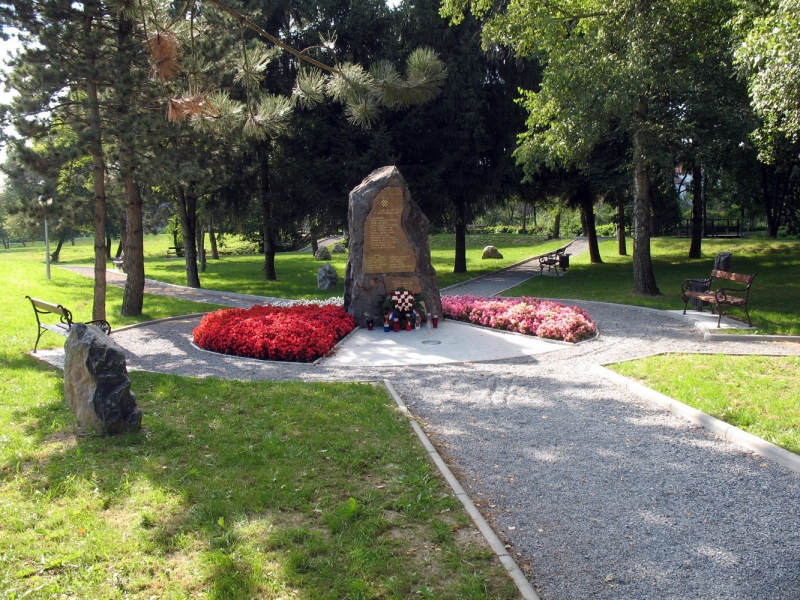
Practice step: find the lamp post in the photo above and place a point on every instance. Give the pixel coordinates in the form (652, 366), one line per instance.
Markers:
(44, 204)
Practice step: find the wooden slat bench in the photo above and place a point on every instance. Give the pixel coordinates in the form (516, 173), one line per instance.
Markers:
(40, 307)
(721, 297)
(175, 250)
(552, 260)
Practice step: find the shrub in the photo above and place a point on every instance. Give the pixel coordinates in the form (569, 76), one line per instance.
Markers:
(607, 230)
(530, 316)
(299, 333)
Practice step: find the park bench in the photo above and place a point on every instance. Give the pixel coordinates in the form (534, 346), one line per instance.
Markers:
(176, 251)
(700, 290)
(553, 260)
(40, 307)
(119, 262)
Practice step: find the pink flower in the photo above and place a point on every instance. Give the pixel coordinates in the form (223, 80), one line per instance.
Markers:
(529, 316)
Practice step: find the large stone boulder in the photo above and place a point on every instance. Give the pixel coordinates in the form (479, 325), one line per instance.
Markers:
(338, 248)
(322, 254)
(491, 252)
(327, 277)
(96, 383)
(388, 246)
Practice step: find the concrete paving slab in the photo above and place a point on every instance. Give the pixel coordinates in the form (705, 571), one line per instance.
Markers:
(452, 342)
(706, 320)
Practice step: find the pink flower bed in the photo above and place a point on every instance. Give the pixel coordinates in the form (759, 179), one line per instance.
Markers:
(531, 316)
(300, 333)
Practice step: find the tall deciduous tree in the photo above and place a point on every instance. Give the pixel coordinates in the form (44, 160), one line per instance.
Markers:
(609, 65)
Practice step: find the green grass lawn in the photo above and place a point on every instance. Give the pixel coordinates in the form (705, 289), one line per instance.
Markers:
(755, 393)
(297, 271)
(230, 490)
(774, 297)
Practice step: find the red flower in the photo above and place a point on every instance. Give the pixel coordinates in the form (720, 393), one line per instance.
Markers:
(296, 333)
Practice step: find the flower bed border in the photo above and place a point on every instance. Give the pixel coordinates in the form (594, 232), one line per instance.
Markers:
(544, 316)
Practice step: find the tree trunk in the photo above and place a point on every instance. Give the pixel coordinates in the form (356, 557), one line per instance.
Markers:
(123, 236)
(524, 217)
(460, 265)
(773, 224)
(313, 233)
(695, 250)
(201, 247)
(644, 280)
(212, 238)
(55, 254)
(586, 203)
(557, 224)
(187, 213)
(133, 298)
(622, 248)
(584, 224)
(266, 216)
(98, 170)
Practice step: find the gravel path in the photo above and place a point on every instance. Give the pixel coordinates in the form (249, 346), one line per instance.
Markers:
(497, 282)
(599, 493)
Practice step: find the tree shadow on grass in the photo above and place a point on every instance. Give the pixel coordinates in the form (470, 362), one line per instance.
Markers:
(211, 489)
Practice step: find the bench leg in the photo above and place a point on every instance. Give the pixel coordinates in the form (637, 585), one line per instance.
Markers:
(38, 337)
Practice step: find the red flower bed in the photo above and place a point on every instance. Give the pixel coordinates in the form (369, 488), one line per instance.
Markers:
(295, 333)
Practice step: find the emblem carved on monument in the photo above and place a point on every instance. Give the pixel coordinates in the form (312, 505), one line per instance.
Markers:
(386, 247)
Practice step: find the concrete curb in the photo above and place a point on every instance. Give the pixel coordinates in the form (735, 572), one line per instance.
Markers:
(722, 429)
(164, 320)
(519, 579)
(732, 337)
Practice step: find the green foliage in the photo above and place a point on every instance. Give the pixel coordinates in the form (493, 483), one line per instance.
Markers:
(769, 56)
(755, 393)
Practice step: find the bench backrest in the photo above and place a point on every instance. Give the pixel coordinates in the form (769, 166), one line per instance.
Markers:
(745, 279)
(40, 307)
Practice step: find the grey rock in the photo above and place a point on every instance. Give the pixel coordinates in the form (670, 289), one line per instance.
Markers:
(322, 254)
(96, 383)
(491, 252)
(722, 261)
(337, 248)
(327, 277)
(365, 292)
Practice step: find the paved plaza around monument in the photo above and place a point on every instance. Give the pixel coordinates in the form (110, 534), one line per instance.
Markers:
(598, 492)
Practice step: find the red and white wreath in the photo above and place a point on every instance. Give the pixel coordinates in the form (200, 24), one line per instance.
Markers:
(403, 301)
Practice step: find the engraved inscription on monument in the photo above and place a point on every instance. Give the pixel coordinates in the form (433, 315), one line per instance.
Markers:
(412, 284)
(386, 247)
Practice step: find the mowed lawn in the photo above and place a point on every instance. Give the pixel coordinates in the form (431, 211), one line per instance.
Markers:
(230, 490)
(774, 297)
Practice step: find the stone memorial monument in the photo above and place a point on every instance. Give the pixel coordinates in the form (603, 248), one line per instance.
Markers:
(388, 247)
